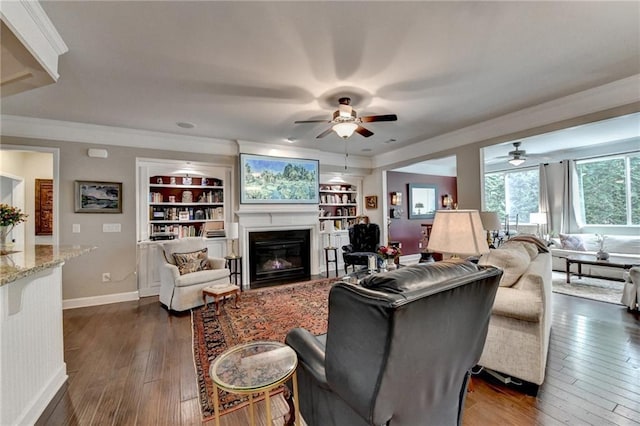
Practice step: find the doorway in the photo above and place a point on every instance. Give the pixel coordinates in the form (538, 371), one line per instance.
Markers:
(20, 166)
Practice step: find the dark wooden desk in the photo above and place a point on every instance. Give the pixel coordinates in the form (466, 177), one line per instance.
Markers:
(590, 259)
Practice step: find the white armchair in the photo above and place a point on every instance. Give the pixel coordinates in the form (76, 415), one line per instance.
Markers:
(185, 269)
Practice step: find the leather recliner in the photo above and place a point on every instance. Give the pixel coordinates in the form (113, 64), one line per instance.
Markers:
(399, 347)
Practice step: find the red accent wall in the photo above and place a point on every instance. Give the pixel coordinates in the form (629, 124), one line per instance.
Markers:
(405, 230)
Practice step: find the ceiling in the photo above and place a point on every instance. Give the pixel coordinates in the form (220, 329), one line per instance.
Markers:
(248, 70)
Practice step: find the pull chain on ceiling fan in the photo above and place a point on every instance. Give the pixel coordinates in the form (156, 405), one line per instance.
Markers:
(346, 121)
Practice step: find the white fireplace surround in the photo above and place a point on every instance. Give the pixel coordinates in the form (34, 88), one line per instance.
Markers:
(265, 218)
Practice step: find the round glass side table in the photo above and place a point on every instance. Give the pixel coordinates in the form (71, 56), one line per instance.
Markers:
(252, 368)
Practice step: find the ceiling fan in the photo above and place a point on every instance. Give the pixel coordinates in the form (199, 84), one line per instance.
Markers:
(345, 121)
(518, 156)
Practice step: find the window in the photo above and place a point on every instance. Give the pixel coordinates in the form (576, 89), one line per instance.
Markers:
(610, 189)
(513, 193)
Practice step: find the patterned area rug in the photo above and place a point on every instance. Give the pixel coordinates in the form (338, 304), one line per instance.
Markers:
(264, 314)
(588, 288)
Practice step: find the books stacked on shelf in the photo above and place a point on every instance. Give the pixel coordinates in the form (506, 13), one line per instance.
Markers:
(213, 230)
(214, 233)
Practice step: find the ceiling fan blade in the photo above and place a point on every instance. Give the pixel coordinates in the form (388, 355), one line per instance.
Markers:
(311, 121)
(364, 132)
(372, 118)
(325, 133)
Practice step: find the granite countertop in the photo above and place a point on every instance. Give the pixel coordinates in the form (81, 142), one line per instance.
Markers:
(33, 259)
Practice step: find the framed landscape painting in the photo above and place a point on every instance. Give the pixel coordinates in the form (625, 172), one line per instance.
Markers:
(278, 180)
(98, 197)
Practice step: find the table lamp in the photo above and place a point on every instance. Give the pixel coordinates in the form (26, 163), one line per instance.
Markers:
(458, 232)
(490, 222)
(233, 236)
(539, 218)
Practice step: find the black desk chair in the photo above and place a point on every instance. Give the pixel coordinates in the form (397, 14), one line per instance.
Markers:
(364, 240)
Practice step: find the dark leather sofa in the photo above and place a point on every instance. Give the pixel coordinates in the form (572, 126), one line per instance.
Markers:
(399, 347)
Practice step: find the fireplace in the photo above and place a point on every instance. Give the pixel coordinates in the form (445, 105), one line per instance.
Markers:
(277, 257)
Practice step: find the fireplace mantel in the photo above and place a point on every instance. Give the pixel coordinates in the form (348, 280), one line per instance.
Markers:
(277, 218)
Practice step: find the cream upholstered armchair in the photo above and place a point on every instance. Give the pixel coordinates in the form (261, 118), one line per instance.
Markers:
(185, 269)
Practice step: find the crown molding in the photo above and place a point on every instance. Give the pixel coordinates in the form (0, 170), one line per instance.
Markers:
(39, 128)
(615, 94)
(31, 25)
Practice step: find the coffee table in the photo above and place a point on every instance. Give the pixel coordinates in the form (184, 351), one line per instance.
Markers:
(253, 368)
(590, 259)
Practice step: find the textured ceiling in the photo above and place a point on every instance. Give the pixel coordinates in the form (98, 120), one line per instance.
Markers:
(248, 70)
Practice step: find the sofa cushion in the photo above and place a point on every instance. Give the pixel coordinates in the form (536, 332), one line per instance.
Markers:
(572, 242)
(206, 276)
(192, 261)
(513, 260)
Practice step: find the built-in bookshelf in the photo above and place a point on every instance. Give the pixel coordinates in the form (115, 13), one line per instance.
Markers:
(183, 206)
(338, 206)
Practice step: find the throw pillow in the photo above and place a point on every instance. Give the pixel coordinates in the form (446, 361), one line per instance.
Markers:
(531, 249)
(513, 261)
(572, 242)
(193, 261)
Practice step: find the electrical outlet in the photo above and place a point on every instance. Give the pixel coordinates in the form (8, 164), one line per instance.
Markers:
(106, 277)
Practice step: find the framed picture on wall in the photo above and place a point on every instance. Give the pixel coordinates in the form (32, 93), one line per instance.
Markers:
(371, 201)
(98, 197)
(422, 201)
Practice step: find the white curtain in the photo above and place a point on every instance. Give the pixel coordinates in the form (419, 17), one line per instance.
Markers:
(572, 214)
(552, 195)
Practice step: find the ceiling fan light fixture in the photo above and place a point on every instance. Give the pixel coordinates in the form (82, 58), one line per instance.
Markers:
(516, 161)
(344, 130)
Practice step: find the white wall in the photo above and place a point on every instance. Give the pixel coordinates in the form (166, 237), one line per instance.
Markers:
(29, 166)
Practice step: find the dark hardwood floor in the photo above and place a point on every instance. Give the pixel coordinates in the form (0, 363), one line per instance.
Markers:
(131, 363)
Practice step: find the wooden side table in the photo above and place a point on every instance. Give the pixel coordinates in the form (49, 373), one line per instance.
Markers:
(234, 264)
(334, 260)
(219, 294)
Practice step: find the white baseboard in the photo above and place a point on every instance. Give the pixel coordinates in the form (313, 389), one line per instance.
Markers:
(42, 400)
(82, 302)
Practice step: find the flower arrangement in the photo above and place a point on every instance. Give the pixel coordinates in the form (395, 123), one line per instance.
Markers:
(389, 252)
(600, 238)
(10, 216)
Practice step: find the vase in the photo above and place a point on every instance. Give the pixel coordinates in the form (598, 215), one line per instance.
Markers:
(5, 241)
(390, 263)
(602, 255)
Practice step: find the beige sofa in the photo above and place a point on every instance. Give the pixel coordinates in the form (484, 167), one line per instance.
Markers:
(623, 246)
(518, 338)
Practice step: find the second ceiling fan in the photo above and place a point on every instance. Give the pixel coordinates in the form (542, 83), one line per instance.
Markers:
(346, 121)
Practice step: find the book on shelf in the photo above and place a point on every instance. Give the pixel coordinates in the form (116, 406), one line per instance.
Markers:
(213, 230)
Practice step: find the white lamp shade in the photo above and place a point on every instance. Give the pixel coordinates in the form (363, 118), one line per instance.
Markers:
(490, 221)
(458, 232)
(344, 130)
(538, 218)
(233, 231)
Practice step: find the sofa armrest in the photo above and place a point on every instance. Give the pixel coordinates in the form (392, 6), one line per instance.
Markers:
(518, 304)
(347, 248)
(217, 263)
(311, 353)
(169, 273)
